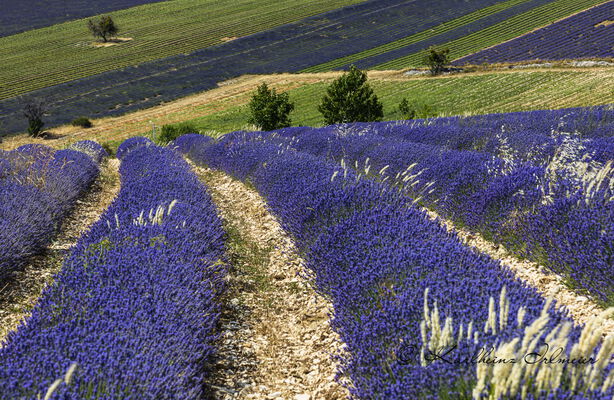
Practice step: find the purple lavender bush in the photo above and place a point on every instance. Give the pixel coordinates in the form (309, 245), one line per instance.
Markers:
(38, 186)
(91, 148)
(135, 306)
(131, 144)
(533, 197)
(185, 142)
(374, 255)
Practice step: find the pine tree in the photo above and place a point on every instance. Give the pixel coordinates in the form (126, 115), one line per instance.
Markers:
(350, 99)
(270, 110)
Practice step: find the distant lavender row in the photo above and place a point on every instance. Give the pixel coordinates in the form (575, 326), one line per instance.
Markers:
(287, 48)
(38, 186)
(589, 34)
(522, 136)
(135, 305)
(374, 255)
(20, 16)
(560, 213)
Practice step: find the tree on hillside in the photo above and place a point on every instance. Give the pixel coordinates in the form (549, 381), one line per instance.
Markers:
(270, 110)
(104, 28)
(437, 59)
(350, 99)
(34, 110)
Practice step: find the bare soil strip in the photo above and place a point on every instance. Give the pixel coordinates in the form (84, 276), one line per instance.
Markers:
(277, 342)
(19, 294)
(581, 308)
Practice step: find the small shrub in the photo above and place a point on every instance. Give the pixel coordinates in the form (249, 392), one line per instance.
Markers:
(34, 110)
(172, 132)
(109, 148)
(83, 122)
(416, 110)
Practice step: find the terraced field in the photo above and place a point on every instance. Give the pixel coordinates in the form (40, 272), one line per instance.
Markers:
(61, 53)
(500, 32)
(20, 16)
(589, 34)
(194, 55)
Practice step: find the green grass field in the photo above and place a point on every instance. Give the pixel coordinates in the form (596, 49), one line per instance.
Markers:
(479, 93)
(64, 52)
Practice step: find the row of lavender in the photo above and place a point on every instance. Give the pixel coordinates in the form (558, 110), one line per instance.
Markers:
(38, 186)
(135, 305)
(394, 277)
(533, 136)
(547, 197)
(589, 34)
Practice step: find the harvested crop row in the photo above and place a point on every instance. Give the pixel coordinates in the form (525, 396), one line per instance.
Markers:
(394, 276)
(135, 305)
(18, 16)
(38, 186)
(62, 53)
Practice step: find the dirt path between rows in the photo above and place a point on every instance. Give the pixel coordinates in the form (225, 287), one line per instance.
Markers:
(581, 308)
(277, 342)
(19, 294)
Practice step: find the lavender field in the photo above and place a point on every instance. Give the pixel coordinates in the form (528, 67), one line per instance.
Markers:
(146, 287)
(352, 197)
(203, 205)
(589, 34)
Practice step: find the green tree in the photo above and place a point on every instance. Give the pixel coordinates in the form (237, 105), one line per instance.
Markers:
(437, 59)
(350, 99)
(270, 110)
(103, 28)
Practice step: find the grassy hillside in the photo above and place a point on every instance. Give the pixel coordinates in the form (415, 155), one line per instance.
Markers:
(60, 53)
(479, 93)
(225, 109)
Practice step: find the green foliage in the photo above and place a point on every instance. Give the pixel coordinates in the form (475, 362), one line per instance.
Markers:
(270, 110)
(416, 110)
(172, 132)
(109, 148)
(83, 122)
(103, 28)
(437, 59)
(350, 99)
(34, 110)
